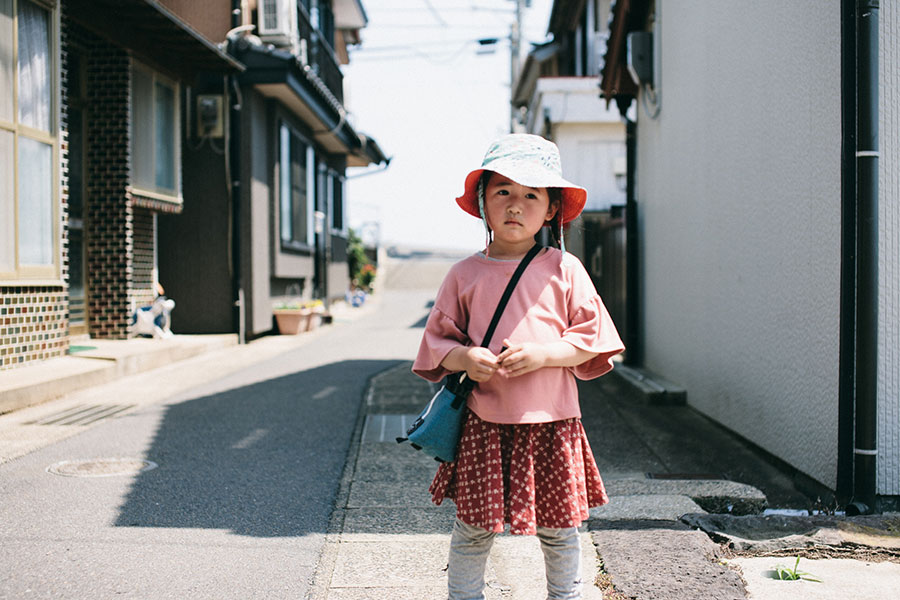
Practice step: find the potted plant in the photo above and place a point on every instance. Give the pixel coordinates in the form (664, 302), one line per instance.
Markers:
(296, 317)
(291, 318)
(316, 309)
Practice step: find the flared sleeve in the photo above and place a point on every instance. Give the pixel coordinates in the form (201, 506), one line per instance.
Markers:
(442, 334)
(592, 329)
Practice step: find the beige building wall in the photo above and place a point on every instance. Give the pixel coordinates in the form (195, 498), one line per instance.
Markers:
(888, 443)
(739, 193)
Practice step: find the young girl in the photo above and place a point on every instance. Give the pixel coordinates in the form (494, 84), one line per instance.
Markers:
(523, 458)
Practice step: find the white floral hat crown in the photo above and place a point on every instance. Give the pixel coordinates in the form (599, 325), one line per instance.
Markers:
(529, 160)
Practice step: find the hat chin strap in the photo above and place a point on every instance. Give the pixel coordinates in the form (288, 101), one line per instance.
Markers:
(487, 228)
(562, 236)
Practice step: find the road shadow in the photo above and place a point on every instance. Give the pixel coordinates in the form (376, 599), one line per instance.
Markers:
(263, 460)
(420, 324)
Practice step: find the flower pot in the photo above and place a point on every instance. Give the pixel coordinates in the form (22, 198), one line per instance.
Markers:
(292, 321)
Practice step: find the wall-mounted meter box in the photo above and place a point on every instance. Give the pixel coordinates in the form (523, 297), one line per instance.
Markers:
(210, 115)
(639, 56)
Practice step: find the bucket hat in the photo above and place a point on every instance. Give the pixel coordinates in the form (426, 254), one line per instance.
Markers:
(529, 160)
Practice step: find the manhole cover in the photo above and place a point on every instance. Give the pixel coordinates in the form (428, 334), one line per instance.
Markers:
(101, 467)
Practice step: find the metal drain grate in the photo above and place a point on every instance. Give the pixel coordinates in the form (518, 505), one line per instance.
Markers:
(82, 414)
(386, 428)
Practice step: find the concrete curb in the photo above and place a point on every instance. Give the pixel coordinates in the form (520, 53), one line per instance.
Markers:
(105, 361)
(325, 568)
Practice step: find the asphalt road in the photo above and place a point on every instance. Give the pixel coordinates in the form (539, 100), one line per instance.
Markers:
(249, 460)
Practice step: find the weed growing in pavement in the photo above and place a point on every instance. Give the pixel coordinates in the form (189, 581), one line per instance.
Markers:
(785, 574)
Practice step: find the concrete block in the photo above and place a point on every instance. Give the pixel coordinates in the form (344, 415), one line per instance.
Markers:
(661, 507)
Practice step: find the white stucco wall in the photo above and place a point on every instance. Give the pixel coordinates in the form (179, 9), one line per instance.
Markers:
(888, 474)
(739, 198)
(590, 153)
(590, 136)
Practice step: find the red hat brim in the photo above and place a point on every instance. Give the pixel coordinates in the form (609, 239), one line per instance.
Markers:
(573, 198)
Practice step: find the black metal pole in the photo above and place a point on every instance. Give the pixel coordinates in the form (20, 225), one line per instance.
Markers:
(633, 350)
(867, 259)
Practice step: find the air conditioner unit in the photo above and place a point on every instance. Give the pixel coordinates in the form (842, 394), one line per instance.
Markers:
(277, 21)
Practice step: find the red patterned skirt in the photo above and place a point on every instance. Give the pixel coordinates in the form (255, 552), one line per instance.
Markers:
(540, 474)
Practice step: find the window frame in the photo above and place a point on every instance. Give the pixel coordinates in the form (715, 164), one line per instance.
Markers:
(138, 189)
(337, 181)
(30, 274)
(293, 244)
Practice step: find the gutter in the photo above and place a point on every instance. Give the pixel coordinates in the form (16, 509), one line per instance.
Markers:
(858, 394)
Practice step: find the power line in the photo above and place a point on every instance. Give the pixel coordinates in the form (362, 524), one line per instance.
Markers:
(434, 12)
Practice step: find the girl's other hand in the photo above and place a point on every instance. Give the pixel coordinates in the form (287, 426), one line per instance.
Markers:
(519, 359)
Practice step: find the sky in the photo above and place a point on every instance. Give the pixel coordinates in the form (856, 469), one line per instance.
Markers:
(418, 85)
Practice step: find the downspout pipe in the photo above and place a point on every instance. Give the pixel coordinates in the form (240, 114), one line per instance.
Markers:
(865, 451)
(634, 351)
(233, 172)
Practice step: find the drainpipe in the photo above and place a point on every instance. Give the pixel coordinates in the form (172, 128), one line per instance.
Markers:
(633, 350)
(232, 172)
(865, 452)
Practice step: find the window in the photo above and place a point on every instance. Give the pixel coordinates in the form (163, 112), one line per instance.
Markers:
(296, 185)
(29, 152)
(336, 204)
(155, 136)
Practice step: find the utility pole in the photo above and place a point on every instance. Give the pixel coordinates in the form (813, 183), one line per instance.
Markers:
(515, 43)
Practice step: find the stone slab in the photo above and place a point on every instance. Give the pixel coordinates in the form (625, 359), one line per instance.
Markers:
(654, 560)
(842, 579)
(392, 593)
(387, 494)
(392, 562)
(769, 533)
(372, 524)
(657, 507)
(390, 461)
(714, 495)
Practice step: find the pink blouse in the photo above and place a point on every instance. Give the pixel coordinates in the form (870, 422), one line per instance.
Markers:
(555, 299)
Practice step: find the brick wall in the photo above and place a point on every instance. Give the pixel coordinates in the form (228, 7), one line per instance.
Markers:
(33, 324)
(109, 215)
(143, 290)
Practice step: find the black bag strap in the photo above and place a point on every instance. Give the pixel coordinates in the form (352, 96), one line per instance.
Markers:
(507, 293)
(459, 383)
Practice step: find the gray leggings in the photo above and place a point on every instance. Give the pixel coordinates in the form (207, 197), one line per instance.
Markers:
(470, 546)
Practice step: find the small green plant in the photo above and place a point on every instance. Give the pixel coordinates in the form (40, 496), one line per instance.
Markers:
(358, 260)
(786, 574)
(313, 305)
(366, 276)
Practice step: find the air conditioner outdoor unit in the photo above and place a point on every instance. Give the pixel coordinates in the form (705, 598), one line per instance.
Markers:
(277, 21)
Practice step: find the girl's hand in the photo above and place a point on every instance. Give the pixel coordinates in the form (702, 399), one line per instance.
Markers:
(479, 363)
(526, 357)
(519, 359)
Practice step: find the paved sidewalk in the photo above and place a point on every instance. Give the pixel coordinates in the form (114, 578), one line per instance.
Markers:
(388, 542)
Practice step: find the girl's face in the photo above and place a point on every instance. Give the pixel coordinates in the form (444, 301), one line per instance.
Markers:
(515, 212)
